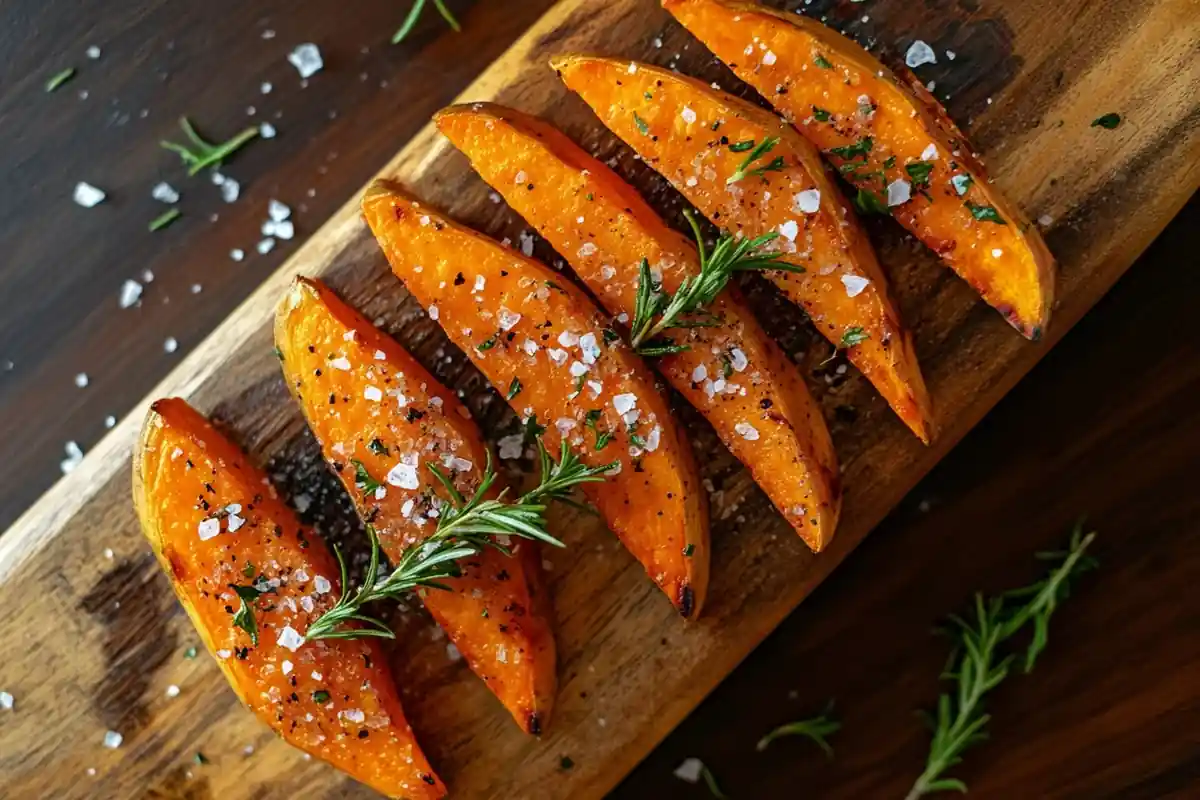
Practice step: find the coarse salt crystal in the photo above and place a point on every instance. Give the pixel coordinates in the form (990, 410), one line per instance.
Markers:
(506, 319)
(688, 115)
(689, 770)
(699, 373)
(789, 230)
(230, 189)
(568, 339)
(131, 292)
(164, 193)
(237, 254)
(93, 52)
(653, 438)
(578, 368)
(899, 192)
(961, 183)
(854, 285)
(919, 53)
(559, 357)
(306, 58)
(266, 130)
(624, 403)
(997, 252)
(110, 421)
(286, 666)
(930, 153)
(453, 653)
(235, 522)
(81, 380)
(373, 393)
(278, 211)
(587, 249)
(6, 701)
(738, 359)
(87, 195)
(171, 344)
(808, 201)
(632, 68)
(530, 347)
(480, 282)
(589, 348)
(112, 740)
(172, 691)
(404, 476)
(73, 459)
(341, 362)
(265, 246)
(768, 58)
(290, 638)
(208, 528)
(746, 431)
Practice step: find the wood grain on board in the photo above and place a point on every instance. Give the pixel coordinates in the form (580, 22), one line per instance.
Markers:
(93, 643)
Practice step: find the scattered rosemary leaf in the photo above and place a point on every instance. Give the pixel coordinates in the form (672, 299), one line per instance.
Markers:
(514, 389)
(818, 729)
(820, 114)
(985, 213)
(414, 14)
(59, 79)
(164, 219)
(822, 62)
(1108, 121)
(641, 124)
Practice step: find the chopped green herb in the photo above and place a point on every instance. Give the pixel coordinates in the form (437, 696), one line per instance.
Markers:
(514, 389)
(610, 336)
(919, 172)
(565, 763)
(711, 782)
(531, 428)
(822, 62)
(726, 367)
(363, 479)
(278, 353)
(591, 196)
(961, 183)
(1108, 121)
(859, 149)
(869, 202)
(602, 437)
(199, 758)
(59, 79)
(985, 213)
(642, 127)
(890, 162)
(854, 336)
(244, 616)
(248, 570)
(164, 219)
(760, 151)
(488, 344)
(189, 653)
(377, 447)
(741, 147)
(320, 697)
(820, 114)
(202, 153)
(414, 14)
(648, 95)
(688, 550)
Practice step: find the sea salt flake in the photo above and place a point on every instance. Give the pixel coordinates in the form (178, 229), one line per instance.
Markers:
(789, 230)
(278, 211)
(289, 638)
(208, 528)
(266, 130)
(112, 740)
(589, 348)
(131, 292)
(87, 195)
(930, 153)
(506, 319)
(919, 53)
(699, 374)
(512, 446)
(961, 183)
(746, 431)
(164, 193)
(373, 393)
(689, 771)
(899, 192)
(808, 201)
(587, 249)
(172, 691)
(768, 58)
(688, 115)
(286, 666)
(404, 476)
(306, 58)
(341, 362)
(624, 403)
(854, 285)
(6, 701)
(568, 339)
(738, 359)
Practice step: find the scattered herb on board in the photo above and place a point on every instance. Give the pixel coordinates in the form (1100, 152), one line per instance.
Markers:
(977, 665)
(466, 526)
(190, 653)
(164, 219)
(199, 759)
(1108, 121)
(414, 14)
(655, 311)
(758, 151)
(201, 153)
(818, 729)
(59, 79)
(710, 781)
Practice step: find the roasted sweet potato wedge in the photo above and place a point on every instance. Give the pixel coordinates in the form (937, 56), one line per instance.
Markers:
(752, 174)
(377, 412)
(893, 140)
(252, 579)
(543, 343)
(733, 372)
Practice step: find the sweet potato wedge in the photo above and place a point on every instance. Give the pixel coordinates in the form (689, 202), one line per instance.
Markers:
(733, 372)
(225, 540)
(544, 344)
(373, 407)
(705, 141)
(839, 96)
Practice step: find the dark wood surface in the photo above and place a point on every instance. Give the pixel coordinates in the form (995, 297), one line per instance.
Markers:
(1106, 426)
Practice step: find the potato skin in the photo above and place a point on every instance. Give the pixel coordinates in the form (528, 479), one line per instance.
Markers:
(380, 406)
(527, 327)
(186, 474)
(789, 453)
(1007, 263)
(668, 118)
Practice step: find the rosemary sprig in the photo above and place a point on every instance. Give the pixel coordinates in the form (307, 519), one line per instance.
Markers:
(655, 310)
(977, 666)
(465, 528)
(818, 728)
(757, 152)
(414, 14)
(203, 153)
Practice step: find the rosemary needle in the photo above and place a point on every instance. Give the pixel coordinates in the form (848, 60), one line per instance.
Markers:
(60, 78)
(414, 14)
(818, 729)
(203, 153)
(164, 219)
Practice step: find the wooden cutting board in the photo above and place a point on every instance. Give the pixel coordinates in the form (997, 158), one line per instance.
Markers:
(92, 635)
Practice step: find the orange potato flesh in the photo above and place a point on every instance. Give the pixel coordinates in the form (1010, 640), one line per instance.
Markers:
(189, 481)
(521, 322)
(669, 118)
(369, 401)
(761, 409)
(856, 97)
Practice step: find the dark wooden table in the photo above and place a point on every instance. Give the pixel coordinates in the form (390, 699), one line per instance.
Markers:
(1105, 427)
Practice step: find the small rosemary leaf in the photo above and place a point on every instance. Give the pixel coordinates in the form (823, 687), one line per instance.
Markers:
(641, 125)
(514, 389)
(1108, 121)
(985, 213)
(741, 147)
(820, 114)
(822, 62)
(60, 78)
(164, 219)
